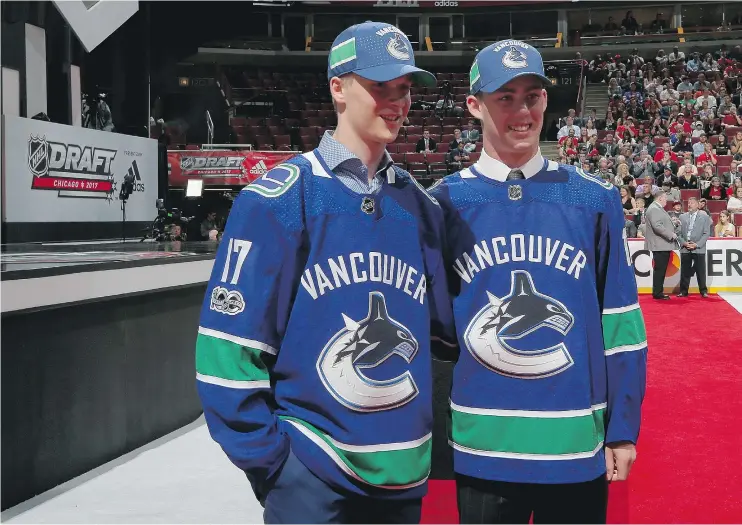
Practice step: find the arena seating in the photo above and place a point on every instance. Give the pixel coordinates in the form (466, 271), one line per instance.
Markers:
(310, 113)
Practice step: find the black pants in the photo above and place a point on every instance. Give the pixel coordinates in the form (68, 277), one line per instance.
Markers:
(693, 263)
(482, 501)
(660, 268)
(298, 496)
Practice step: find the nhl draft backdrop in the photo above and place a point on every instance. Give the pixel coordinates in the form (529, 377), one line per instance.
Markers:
(58, 173)
(222, 167)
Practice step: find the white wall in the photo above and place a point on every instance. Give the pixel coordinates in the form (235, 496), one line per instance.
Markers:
(75, 96)
(11, 81)
(36, 100)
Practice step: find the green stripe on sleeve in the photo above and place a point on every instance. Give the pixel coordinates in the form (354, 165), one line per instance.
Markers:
(623, 329)
(228, 360)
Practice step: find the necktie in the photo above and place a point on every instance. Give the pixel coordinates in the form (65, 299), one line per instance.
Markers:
(692, 222)
(515, 175)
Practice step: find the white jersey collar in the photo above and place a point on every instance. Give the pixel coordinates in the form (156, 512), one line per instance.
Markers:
(494, 169)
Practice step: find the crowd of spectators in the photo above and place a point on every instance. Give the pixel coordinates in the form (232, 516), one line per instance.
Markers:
(672, 123)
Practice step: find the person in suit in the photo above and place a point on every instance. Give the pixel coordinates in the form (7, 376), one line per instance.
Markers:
(426, 144)
(695, 229)
(660, 239)
(471, 136)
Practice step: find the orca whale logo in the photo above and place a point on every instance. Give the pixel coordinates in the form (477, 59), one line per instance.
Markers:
(514, 58)
(397, 47)
(494, 332)
(367, 344)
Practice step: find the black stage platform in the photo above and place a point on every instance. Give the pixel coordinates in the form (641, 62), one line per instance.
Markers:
(98, 346)
(23, 261)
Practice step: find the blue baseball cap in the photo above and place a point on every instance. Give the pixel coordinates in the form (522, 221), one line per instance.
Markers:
(376, 51)
(499, 63)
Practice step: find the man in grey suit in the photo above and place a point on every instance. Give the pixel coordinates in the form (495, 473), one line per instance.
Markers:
(695, 229)
(661, 240)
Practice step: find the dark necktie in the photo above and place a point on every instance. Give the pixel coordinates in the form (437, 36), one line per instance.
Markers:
(515, 175)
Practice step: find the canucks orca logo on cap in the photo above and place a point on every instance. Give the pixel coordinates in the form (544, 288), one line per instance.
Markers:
(397, 47)
(514, 58)
(367, 344)
(376, 51)
(499, 63)
(496, 330)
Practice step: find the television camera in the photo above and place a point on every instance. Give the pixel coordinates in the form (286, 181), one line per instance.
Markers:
(161, 229)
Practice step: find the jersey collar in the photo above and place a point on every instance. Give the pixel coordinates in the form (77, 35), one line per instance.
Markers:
(496, 170)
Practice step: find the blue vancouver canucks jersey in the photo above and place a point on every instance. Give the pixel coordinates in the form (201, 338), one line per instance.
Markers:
(552, 358)
(315, 330)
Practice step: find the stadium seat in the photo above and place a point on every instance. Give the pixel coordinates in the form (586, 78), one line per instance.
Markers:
(282, 140)
(723, 162)
(687, 194)
(398, 158)
(715, 206)
(659, 141)
(436, 163)
(405, 148)
(415, 160)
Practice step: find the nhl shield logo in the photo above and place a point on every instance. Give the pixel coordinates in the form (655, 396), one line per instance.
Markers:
(515, 192)
(38, 155)
(367, 205)
(186, 163)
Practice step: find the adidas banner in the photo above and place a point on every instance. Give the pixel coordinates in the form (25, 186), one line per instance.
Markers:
(59, 173)
(222, 167)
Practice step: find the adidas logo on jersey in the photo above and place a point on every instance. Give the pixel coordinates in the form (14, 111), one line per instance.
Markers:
(259, 169)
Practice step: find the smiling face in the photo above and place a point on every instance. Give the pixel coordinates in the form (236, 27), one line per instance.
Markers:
(512, 119)
(372, 111)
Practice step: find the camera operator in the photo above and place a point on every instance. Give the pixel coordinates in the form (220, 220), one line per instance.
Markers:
(176, 233)
(96, 114)
(209, 225)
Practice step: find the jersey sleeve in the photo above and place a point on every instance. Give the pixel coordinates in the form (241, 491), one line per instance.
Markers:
(242, 324)
(444, 341)
(624, 334)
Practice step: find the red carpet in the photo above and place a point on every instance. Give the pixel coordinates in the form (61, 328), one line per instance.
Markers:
(690, 449)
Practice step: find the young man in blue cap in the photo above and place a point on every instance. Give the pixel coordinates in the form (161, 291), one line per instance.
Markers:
(547, 389)
(313, 355)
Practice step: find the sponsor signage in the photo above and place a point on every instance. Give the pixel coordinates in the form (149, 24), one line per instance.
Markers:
(222, 167)
(723, 267)
(58, 173)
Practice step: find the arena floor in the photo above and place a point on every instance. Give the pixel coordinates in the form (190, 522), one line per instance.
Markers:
(683, 475)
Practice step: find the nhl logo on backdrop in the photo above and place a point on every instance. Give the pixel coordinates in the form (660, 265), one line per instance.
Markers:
(515, 192)
(38, 155)
(186, 163)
